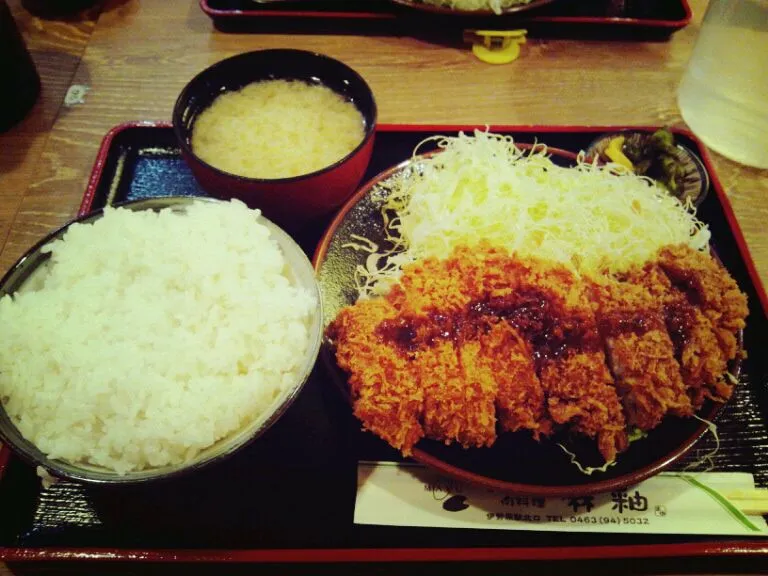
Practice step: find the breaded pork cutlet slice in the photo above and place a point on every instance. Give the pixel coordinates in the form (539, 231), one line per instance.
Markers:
(702, 360)
(580, 392)
(502, 357)
(574, 372)
(493, 354)
(458, 406)
(386, 398)
(459, 403)
(493, 279)
(640, 353)
(708, 285)
(550, 309)
(491, 350)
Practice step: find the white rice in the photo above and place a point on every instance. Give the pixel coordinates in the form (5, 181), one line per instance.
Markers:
(154, 336)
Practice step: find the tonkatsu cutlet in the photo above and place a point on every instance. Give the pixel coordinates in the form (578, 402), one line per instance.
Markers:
(696, 349)
(708, 286)
(483, 342)
(502, 356)
(449, 354)
(546, 306)
(640, 353)
(386, 399)
(458, 406)
(494, 350)
(572, 366)
(704, 310)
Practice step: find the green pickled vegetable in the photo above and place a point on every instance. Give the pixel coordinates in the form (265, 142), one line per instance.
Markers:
(657, 157)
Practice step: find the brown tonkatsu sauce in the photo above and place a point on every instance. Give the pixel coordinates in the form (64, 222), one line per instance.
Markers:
(536, 317)
(634, 322)
(399, 331)
(679, 316)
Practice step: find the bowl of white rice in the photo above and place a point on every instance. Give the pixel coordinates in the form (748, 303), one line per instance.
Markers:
(287, 131)
(148, 340)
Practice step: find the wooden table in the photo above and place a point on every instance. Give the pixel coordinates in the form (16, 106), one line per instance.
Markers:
(134, 57)
(139, 56)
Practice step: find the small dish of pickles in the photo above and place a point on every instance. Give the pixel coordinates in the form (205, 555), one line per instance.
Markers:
(656, 155)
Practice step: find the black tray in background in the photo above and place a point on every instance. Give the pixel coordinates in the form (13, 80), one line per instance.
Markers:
(640, 20)
(293, 492)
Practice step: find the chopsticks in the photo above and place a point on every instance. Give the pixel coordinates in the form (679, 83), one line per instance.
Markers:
(751, 502)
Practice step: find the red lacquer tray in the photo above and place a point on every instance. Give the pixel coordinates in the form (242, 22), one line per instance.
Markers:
(299, 509)
(585, 18)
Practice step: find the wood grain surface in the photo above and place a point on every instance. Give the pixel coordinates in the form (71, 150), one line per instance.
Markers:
(56, 47)
(134, 57)
(139, 56)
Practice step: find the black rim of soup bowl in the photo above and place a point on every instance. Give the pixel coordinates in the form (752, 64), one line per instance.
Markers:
(10, 435)
(238, 71)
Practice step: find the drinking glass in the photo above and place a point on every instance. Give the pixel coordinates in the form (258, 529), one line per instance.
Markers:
(723, 95)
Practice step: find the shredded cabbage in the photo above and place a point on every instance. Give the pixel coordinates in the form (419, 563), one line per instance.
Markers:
(586, 470)
(593, 219)
(708, 458)
(472, 5)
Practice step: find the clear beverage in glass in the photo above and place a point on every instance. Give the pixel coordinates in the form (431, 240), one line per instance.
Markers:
(723, 95)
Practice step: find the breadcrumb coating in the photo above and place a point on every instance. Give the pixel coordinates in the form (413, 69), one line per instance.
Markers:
(484, 342)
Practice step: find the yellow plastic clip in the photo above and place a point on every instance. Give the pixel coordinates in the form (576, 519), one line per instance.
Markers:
(496, 46)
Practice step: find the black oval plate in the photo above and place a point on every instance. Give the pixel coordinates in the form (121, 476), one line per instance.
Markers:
(516, 462)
